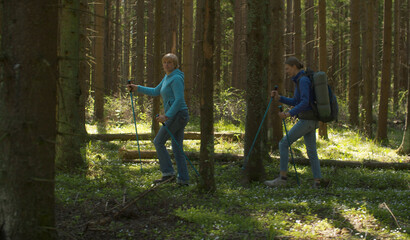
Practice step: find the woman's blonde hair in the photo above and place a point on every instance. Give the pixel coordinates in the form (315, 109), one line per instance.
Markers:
(173, 57)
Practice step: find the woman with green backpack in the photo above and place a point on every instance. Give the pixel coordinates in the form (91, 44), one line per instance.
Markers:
(305, 128)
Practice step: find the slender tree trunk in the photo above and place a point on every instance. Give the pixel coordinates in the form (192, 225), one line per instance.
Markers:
(239, 54)
(140, 45)
(28, 119)
(218, 45)
(150, 41)
(117, 48)
(206, 166)
(276, 60)
(368, 71)
(287, 83)
(157, 63)
(297, 18)
(396, 60)
(187, 50)
(322, 55)
(310, 33)
(99, 83)
(86, 45)
(108, 71)
(256, 94)
(198, 60)
(126, 44)
(69, 138)
(385, 83)
(354, 63)
(405, 145)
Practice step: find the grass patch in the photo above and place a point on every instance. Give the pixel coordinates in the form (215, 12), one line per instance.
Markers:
(351, 208)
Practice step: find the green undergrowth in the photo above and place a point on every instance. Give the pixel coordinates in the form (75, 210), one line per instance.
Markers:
(356, 205)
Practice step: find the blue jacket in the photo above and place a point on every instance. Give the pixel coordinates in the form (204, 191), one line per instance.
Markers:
(171, 90)
(300, 100)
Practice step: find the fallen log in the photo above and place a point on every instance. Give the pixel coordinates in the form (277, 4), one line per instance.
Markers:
(147, 136)
(132, 156)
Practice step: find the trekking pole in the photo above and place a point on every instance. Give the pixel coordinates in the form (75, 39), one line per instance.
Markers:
(290, 148)
(180, 148)
(257, 133)
(135, 125)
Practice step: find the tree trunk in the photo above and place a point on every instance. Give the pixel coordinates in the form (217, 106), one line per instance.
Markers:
(256, 94)
(396, 60)
(368, 70)
(187, 50)
(198, 59)
(86, 45)
(108, 47)
(117, 50)
(69, 138)
(276, 73)
(125, 69)
(150, 42)
(99, 83)
(218, 45)
(28, 119)
(157, 63)
(354, 63)
(206, 166)
(239, 54)
(297, 19)
(287, 82)
(310, 33)
(385, 83)
(404, 148)
(322, 55)
(140, 45)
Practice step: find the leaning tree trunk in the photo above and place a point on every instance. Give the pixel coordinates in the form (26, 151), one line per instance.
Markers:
(354, 63)
(322, 55)
(206, 166)
(385, 83)
(28, 119)
(70, 137)
(256, 94)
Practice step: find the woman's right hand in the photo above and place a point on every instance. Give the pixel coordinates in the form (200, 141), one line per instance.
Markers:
(132, 87)
(275, 95)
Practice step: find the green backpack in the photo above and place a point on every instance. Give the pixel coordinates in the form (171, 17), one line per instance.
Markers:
(324, 105)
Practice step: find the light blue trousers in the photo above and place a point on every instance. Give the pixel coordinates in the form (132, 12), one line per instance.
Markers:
(176, 126)
(307, 130)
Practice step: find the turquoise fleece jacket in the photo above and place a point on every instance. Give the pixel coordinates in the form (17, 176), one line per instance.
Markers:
(301, 98)
(171, 90)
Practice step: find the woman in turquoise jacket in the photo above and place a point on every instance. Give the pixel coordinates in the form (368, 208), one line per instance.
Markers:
(175, 118)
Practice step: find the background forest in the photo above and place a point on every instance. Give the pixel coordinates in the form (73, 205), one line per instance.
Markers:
(69, 165)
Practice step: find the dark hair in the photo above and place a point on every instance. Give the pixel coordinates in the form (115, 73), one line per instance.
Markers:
(293, 61)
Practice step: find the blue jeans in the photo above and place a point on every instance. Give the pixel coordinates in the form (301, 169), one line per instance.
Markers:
(176, 126)
(307, 129)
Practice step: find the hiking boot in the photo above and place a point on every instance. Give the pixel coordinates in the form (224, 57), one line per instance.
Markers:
(164, 178)
(277, 182)
(323, 183)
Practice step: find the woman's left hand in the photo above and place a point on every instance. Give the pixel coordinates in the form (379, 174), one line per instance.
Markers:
(284, 115)
(162, 118)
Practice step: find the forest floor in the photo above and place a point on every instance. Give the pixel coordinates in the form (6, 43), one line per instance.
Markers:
(359, 203)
